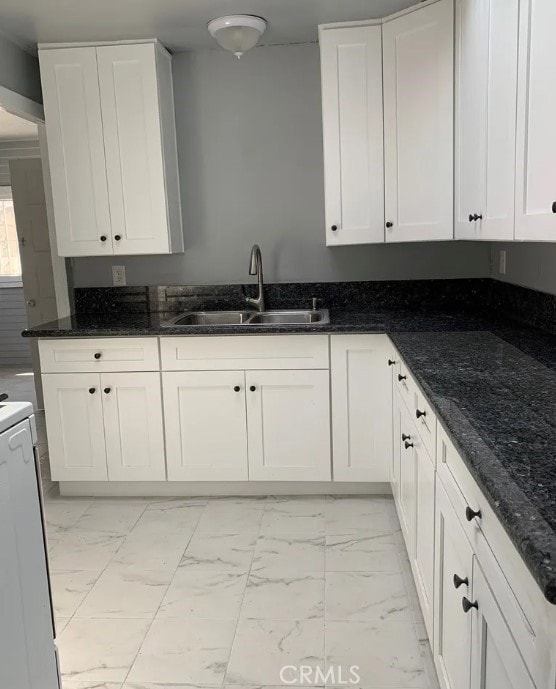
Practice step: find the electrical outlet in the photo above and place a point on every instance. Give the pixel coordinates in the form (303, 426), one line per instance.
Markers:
(502, 262)
(118, 276)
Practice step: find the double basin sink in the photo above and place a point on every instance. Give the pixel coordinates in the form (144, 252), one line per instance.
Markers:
(249, 318)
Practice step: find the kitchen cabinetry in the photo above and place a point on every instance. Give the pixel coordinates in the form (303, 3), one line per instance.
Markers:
(418, 124)
(104, 426)
(112, 148)
(351, 68)
(361, 397)
(486, 94)
(535, 204)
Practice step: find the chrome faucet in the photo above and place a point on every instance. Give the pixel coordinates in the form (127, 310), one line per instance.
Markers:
(256, 268)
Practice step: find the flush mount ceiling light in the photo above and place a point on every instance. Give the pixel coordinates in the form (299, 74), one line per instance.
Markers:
(238, 32)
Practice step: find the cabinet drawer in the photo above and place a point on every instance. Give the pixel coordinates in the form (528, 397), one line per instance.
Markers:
(404, 382)
(419, 408)
(248, 352)
(99, 355)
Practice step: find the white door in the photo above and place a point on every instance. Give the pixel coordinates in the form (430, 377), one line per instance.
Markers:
(76, 151)
(418, 124)
(397, 408)
(453, 570)
(133, 427)
(361, 399)
(535, 209)
(74, 425)
(351, 82)
(495, 658)
(288, 423)
(27, 185)
(133, 141)
(27, 650)
(206, 428)
(423, 565)
(486, 94)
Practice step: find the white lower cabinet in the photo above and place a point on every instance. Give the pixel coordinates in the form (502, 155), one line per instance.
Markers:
(453, 570)
(206, 425)
(496, 661)
(104, 426)
(73, 408)
(288, 425)
(361, 398)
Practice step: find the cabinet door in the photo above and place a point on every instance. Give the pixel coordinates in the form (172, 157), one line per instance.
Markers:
(288, 422)
(423, 564)
(134, 160)
(75, 428)
(486, 93)
(408, 479)
(361, 384)
(535, 212)
(76, 151)
(452, 627)
(397, 409)
(418, 124)
(351, 68)
(206, 429)
(495, 658)
(132, 408)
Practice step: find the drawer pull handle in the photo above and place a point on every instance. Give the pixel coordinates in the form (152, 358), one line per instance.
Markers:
(252, 388)
(471, 514)
(408, 445)
(391, 362)
(92, 391)
(97, 355)
(419, 413)
(334, 228)
(400, 377)
(466, 604)
(458, 581)
(405, 436)
(107, 390)
(237, 388)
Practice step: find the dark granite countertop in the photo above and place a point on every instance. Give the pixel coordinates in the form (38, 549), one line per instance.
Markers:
(492, 383)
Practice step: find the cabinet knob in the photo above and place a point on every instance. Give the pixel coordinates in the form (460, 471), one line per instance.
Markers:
(408, 445)
(107, 390)
(252, 388)
(400, 377)
(466, 604)
(554, 207)
(389, 224)
(334, 228)
(97, 355)
(102, 237)
(391, 362)
(419, 413)
(473, 217)
(471, 514)
(405, 436)
(237, 388)
(458, 581)
(117, 237)
(478, 216)
(92, 391)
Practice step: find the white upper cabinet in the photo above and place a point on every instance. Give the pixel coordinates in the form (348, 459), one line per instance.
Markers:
(112, 149)
(418, 124)
(486, 94)
(535, 207)
(351, 66)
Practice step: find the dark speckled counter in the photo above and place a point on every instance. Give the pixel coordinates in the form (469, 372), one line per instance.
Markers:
(493, 385)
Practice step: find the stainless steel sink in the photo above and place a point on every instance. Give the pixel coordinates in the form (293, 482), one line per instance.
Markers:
(293, 317)
(209, 318)
(249, 318)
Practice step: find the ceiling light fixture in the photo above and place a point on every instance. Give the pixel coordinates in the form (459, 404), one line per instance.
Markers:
(237, 33)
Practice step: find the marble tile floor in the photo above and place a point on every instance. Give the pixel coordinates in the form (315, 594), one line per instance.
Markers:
(224, 592)
(18, 382)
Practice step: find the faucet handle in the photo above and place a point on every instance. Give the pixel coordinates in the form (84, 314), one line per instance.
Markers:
(315, 303)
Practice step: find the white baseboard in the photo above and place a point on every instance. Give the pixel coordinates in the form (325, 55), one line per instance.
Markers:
(191, 488)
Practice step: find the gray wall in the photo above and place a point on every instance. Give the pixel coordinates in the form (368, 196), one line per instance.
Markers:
(250, 153)
(14, 349)
(19, 70)
(527, 264)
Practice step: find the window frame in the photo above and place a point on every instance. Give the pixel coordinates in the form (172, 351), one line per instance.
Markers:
(9, 281)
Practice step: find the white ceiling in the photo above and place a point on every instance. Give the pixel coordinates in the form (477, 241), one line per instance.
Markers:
(13, 127)
(179, 24)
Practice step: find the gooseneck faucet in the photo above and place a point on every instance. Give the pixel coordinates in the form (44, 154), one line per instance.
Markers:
(256, 268)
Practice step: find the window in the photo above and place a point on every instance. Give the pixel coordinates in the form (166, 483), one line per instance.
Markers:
(10, 264)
